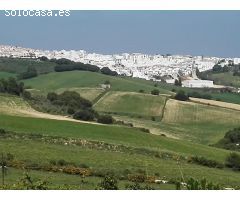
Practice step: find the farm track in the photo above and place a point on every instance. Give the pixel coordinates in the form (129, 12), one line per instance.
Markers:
(216, 103)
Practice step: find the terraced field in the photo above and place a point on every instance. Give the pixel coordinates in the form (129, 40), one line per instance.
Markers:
(133, 104)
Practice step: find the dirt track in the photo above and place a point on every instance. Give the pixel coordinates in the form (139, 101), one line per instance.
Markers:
(216, 103)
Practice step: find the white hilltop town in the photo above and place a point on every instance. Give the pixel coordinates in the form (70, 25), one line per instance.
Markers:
(139, 65)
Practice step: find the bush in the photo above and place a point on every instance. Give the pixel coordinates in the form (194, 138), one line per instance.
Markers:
(206, 162)
(155, 92)
(2, 131)
(141, 91)
(231, 140)
(105, 119)
(52, 96)
(62, 162)
(109, 183)
(26, 95)
(85, 115)
(233, 161)
(181, 96)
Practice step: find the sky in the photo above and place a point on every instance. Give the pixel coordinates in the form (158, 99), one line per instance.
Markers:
(208, 33)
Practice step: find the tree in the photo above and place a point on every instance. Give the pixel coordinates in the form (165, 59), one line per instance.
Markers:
(178, 82)
(107, 71)
(181, 96)
(105, 119)
(85, 115)
(155, 92)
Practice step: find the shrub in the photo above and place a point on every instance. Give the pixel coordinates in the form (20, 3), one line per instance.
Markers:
(105, 119)
(181, 96)
(52, 96)
(26, 95)
(2, 131)
(155, 92)
(141, 91)
(206, 162)
(109, 183)
(85, 115)
(233, 161)
(62, 162)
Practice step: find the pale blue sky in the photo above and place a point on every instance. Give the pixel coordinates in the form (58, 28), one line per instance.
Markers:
(214, 33)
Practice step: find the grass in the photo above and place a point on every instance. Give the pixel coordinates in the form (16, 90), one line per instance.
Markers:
(203, 123)
(57, 80)
(117, 162)
(11, 104)
(6, 75)
(111, 134)
(129, 103)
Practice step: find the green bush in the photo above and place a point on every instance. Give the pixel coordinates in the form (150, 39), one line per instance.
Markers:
(105, 119)
(181, 96)
(109, 183)
(85, 115)
(155, 92)
(233, 161)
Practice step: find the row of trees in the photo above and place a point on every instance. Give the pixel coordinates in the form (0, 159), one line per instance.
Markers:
(68, 65)
(76, 66)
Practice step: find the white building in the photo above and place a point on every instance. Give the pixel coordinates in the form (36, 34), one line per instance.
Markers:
(197, 83)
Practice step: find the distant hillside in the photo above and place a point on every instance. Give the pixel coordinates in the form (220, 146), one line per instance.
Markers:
(20, 65)
(57, 80)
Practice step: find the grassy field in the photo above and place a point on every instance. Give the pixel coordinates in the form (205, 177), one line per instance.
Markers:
(56, 180)
(129, 103)
(111, 134)
(42, 153)
(203, 123)
(117, 162)
(58, 80)
(6, 75)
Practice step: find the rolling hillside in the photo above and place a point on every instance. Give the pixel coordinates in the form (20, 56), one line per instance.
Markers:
(57, 80)
(179, 131)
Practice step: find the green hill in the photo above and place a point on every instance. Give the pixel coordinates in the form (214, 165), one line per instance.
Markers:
(57, 80)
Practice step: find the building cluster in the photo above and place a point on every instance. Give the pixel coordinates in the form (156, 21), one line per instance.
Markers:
(150, 67)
